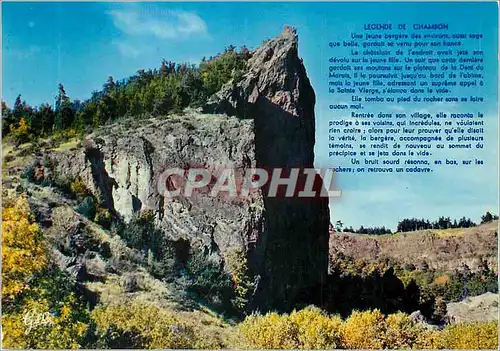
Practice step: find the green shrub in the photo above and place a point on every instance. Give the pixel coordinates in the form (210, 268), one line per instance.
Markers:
(167, 268)
(78, 188)
(87, 207)
(63, 182)
(209, 281)
(244, 282)
(103, 218)
(46, 182)
(219, 70)
(29, 173)
(141, 234)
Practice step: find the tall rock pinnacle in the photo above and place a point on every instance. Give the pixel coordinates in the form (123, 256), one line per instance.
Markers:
(292, 252)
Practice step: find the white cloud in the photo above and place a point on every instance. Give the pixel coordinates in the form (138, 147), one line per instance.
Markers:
(32, 50)
(127, 49)
(160, 24)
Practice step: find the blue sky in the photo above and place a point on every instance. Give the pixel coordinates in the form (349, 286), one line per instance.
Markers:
(81, 44)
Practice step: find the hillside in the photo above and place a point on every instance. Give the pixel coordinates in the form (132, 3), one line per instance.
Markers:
(444, 250)
(108, 240)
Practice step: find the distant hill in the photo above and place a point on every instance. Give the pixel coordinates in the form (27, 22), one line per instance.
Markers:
(444, 250)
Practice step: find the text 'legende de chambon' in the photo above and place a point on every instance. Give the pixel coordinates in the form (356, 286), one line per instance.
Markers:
(416, 26)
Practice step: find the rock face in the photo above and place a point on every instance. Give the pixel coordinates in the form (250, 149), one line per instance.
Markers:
(264, 120)
(482, 308)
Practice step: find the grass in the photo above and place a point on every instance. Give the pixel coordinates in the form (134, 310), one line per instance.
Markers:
(67, 145)
(6, 149)
(442, 233)
(17, 161)
(451, 232)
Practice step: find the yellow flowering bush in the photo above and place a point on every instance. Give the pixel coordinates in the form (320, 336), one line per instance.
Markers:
(404, 333)
(79, 188)
(35, 326)
(309, 328)
(23, 252)
(475, 335)
(21, 133)
(317, 330)
(270, 331)
(364, 330)
(141, 325)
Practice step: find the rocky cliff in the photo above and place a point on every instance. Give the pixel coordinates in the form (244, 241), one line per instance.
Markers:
(266, 119)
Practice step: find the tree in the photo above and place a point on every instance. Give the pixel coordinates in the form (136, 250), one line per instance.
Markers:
(192, 85)
(18, 110)
(22, 110)
(21, 133)
(167, 67)
(219, 70)
(488, 217)
(338, 226)
(64, 115)
(47, 118)
(7, 118)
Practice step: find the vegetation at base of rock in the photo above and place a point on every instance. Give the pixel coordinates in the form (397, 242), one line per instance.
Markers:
(176, 262)
(311, 328)
(202, 280)
(210, 281)
(388, 286)
(244, 282)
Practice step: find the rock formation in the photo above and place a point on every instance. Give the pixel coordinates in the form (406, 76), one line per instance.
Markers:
(266, 119)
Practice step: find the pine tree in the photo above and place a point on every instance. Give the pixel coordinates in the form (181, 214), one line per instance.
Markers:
(47, 117)
(64, 112)
(488, 217)
(18, 109)
(7, 118)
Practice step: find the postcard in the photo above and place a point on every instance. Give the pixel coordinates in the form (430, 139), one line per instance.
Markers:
(250, 175)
